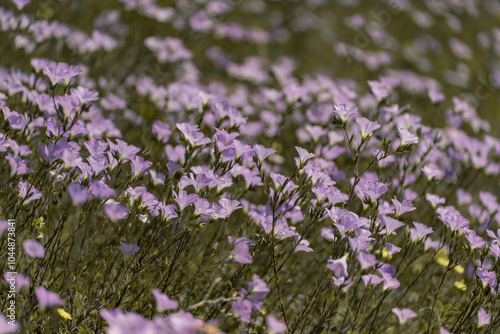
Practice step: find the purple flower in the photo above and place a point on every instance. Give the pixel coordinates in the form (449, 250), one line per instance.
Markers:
(372, 279)
(167, 212)
(390, 225)
(366, 260)
(435, 96)
(84, 95)
(403, 207)
(451, 217)
(240, 253)
(192, 135)
(434, 200)
(47, 298)
(487, 277)
(20, 5)
(404, 314)
(163, 302)
(18, 166)
(366, 126)
(127, 323)
(181, 322)
(483, 318)
(243, 309)
(78, 194)
(96, 148)
(373, 189)
(28, 192)
(489, 201)
(419, 232)
(129, 249)
(304, 156)
(61, 72)
(475, 241)
(116, 211)
(20, 280)
(338, 267)
(262, 152)
(34, 249)
(161, 131)
(139, 165)
(6, 326)
(101, 190)
(123, 150)
(345, 112)
(183, 199)
(274, 325)
(389, 281)
(379, 90)
(407, 138)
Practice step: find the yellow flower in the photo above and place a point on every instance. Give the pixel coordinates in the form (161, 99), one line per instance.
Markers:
(442, 258)
(64, 314)
(460, 285)
(459, 269)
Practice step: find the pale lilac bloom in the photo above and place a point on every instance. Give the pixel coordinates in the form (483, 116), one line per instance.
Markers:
(407, 138)
(34, 249)
(139, 165)
(161, 131)
(304, 156)
(391, 249)
(21, 281)
(18, 166)
(163, 302)
(47, 298)
(463, 197)
(367, 126)
(452, 217)
(127, 323)
(240, 253)
(338, 267)
(489, 201)
(116, 211)
(483, 318)
(487, 277)
(435, 96)
(373, 189)
(345, 112)
(434, 200)
(262, 152)
(372, 279)
(404, 314)
(366, 260)
(475, 241)
(403, 207)
(274, 325)
(124, 150)
(78, 194)
(129, 249)
(21, 3)
(101, 190)
(5, 327)
(390, 225)
(28, 192)
(442, 330)
(62, 72)
(181, 322)
(192, 134)
(389, 281)
(419, 232)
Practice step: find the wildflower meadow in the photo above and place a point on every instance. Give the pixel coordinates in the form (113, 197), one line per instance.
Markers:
(250, 166)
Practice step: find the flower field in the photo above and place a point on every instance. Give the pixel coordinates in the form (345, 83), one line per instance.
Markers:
(250, 166)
